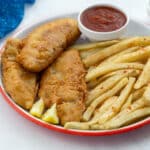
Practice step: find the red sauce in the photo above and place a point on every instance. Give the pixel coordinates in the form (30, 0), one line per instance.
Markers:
(103, 18)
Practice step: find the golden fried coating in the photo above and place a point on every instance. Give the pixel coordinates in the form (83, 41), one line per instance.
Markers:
(64, 83)
(20, 84)
(46, 42)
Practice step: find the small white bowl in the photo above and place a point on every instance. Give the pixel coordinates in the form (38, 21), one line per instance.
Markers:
(148, 7)
(101, 36)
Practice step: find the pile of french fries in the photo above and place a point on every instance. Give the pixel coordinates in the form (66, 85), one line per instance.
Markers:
(118, 80)
(118, 77)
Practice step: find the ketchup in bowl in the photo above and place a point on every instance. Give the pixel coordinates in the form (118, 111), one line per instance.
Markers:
(103, 18)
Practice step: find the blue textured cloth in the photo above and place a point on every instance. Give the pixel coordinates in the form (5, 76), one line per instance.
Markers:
(11, 14)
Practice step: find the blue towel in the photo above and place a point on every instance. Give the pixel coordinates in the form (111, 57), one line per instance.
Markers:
(11, 14)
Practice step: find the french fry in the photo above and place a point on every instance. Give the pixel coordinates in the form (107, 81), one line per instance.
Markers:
(96, 81)
(113, 57)
(146, 95)
(105, 53)
(124, 119)
(129, 118)
(102, 109)
(138, 93)
(91, 68)
(108, 83)
(103, 87)
(135, 105)
(85, 53)
(83, 47)
(140, 103)
(144, 78)
(106, 105)
(139, 55)
(116, 107)
(89, 111)
(99, 71)
(128, 102)
(77, 125)
(89, 52)
(51, 115)
(92, 84)
(129, 72)
(37, 108)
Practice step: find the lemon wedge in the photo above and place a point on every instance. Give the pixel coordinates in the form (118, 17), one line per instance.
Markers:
(51, 115)
(37, 108)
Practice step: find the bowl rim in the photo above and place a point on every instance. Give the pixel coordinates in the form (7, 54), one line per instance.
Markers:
(39, 122)
(100, 32)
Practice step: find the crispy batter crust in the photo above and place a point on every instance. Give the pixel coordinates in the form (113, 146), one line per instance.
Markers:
(46, 42)
(63, 83)
(20, 84)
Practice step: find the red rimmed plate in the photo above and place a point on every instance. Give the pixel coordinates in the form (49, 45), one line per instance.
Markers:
(134, 29)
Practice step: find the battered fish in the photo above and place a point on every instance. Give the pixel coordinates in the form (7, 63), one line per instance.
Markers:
(46, 42)
(20, 84)
(64, 83)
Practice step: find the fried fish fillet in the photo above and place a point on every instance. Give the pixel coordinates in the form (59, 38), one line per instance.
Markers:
(63, 83)
(20, 84)
(46, 42)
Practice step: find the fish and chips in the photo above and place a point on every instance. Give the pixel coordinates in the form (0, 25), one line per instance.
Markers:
(90, 86)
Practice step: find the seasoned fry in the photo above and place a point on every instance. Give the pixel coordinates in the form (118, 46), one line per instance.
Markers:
(106, 105)
(89, 52)
(77, 125)
(146, 95)
(105, 53)
(103, 87)
(136, 105)
(140, 103)
(94, 83)
(107, 84)
(89, 111)
(128, 102)
(138, 94)
(99, 71)
(116, 107)
(139, 55)
(102, 109)
(113, 57)
(129, 72)
(37, 108)
(82, 47)
(144, 78)
(126, 118)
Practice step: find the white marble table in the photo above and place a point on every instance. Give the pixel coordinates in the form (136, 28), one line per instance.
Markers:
(18, 133)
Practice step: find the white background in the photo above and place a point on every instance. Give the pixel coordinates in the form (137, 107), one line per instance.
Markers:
(17, 133)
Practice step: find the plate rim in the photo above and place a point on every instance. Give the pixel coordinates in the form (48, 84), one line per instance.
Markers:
(37, 121)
